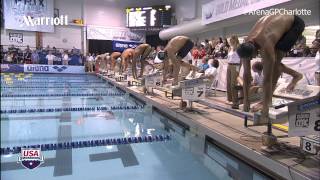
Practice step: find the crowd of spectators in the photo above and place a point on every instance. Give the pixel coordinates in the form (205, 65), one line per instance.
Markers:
(219, 48)
(51, 56)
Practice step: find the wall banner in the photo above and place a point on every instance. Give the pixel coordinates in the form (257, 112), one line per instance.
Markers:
(16, 37)
(218, 10)
(41, 68)
(16, 11)
(114, 33)
(12, 68)
(120, 46)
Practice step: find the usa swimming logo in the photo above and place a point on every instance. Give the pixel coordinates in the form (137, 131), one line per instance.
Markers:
(30, 158)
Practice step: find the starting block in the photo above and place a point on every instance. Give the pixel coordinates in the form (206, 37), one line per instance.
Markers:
(278, 113)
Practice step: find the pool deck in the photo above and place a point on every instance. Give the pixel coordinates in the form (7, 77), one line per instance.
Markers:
(228, 131)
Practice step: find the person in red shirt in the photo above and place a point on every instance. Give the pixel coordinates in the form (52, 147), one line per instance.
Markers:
(195, 53)
(202, 52)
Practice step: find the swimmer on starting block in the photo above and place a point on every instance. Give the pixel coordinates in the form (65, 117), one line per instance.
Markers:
(100, 61)
(141, 52)
(273, 36)
(126, 58)
(176, 49)
(113, 58)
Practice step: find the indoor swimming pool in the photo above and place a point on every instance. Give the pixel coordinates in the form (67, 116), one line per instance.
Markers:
(46, 109)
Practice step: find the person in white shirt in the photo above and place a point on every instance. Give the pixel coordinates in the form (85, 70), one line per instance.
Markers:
(50, 57)
(65, 58)
(316, 48)
(257, 81)
(212, 71)
(233, 72)
(90, 61)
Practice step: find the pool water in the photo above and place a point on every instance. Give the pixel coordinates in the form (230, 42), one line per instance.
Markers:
(181, 157)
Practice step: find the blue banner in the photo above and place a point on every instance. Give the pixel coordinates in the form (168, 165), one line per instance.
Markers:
(122, 45)
(12, 68)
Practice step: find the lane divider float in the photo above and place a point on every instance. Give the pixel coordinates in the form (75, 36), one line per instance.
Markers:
(65, 94)
(88, 143)
(69, 109)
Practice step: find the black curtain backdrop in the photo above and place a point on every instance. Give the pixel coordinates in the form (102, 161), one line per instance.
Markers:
(154, 40)
(100, 46)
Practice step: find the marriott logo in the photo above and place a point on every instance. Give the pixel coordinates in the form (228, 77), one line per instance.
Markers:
(40, 21)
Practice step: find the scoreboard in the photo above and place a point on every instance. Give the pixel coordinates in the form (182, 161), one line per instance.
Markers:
(148, 18)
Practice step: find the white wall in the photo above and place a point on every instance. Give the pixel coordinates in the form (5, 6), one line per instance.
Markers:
(63, 37)
(71, 34)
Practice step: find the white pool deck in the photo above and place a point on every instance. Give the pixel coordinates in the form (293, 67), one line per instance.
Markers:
(288, 162)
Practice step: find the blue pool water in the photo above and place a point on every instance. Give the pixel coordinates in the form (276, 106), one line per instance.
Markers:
(181, 157)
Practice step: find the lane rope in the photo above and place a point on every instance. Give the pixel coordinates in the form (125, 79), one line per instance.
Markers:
(55, 87)
(65, 94)
(88, 143)
(69, 109)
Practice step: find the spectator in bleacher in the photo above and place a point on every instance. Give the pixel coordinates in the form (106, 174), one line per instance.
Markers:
(204, 66)
(218, 47)
(316, 50)
(224, 48)
(202, 51)
(27, 49)
(35, 57)
(257, 68)
(318, 34)
(65, 58)
(195, 54)
(10, 57)
(207, 46)
(233, 72)
(57, 59)
(50, 58)
(19, 57)
(298, 48)
(27, 56)
(257, 81)
(54, 51)
(12, 49)
(211, 72)
(47, 49)
(213, 44)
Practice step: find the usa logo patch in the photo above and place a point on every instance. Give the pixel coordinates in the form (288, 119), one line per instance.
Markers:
(30, 158)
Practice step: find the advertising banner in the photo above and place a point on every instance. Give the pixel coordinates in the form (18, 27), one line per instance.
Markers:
(26, 15)
(121, 45)
(194, 93)
(193, 90)
(16, 37)
(114, 33)
(304, 118)
(218, 10)
(305, 65)
(41, 68)
(12, 68)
